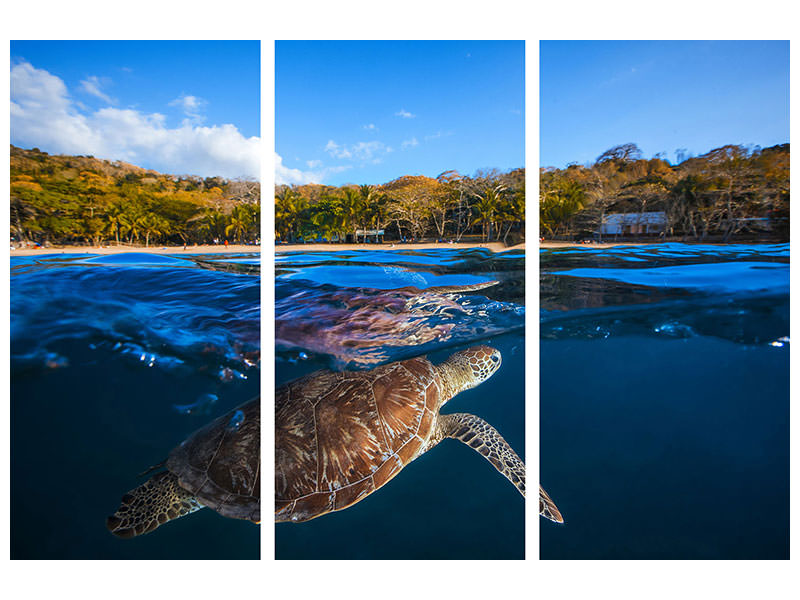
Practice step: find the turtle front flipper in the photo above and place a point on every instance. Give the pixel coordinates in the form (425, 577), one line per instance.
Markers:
(156, 501)
(486, 440)
(548, 508)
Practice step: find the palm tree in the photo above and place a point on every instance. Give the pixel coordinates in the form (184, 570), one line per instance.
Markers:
(213, 225)
(252, 215)
(132, 222)
(512, 211)
(289, 207)
(367, 193)
(116, 219)
(486, 209)
(153, 224)
(559, 203)
(328, 216)
(353, 209)
(239, 224)
(377, 212)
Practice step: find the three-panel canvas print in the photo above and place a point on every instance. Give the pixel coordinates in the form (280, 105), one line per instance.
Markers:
(387, 285)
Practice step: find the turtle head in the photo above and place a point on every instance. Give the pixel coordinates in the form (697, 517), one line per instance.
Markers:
(468, 368)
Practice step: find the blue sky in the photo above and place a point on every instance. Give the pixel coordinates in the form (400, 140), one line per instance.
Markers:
(660, 95)
(181, 107)
(369, 112)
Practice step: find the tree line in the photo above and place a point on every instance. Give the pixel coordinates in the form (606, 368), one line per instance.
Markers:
(84, 200)
(731, 191)
(489, 204)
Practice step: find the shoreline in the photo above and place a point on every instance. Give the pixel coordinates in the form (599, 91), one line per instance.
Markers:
(548, 245)
(493, 246)
(241, 248)
(238, 248)
(204, 249)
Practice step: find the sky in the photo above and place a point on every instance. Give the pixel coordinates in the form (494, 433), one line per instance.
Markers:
(367, 112)
(661, 95)
(178, 107)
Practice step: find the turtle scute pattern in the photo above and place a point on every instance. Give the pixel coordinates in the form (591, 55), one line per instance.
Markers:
(341, 436)
(158, 500)
(221, 463)
(218, 466)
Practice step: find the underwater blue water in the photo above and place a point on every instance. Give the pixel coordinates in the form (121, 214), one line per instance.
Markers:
(358, 310)
(664, 380)
(114, 361)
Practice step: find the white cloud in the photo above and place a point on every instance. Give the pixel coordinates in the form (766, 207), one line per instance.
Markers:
(313, 164)
(337, 151)
(363, 152)
(287, 176)
(433, 136)
(409, 143)
(91, 85)
(437, 135)
(404, 113)
(44, 115)
(369, 151)
(370, 127)
(191, 107)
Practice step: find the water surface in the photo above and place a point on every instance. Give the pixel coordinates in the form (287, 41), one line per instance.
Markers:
(361, 309)
(114, 361)
(665, 401)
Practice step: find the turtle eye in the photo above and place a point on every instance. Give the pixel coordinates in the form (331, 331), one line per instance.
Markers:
(495, 358)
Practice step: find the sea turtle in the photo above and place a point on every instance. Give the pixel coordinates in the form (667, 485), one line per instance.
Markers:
(218, 466)
(547, 507)
(357, 325)
(341, 436)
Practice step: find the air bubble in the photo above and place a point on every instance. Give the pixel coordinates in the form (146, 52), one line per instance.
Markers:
(236, 421)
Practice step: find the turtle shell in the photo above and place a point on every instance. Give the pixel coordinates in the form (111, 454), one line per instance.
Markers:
(221, 463)
(341, 436)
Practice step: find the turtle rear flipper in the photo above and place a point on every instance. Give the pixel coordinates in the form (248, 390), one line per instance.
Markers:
(156, 501)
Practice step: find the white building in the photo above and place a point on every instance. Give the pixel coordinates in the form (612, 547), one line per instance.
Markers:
(633, 223)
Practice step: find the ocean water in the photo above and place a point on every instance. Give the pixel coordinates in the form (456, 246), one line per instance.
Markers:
(357, 310)
(665, 401)
(114, 361)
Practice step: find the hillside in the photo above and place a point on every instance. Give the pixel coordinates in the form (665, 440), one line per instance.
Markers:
(58, 199)
(730, 193)
(490, 205)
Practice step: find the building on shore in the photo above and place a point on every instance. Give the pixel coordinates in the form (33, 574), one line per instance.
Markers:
(638, 223)
(365, 235)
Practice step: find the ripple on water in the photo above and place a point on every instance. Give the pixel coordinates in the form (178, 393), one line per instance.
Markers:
(359, 309)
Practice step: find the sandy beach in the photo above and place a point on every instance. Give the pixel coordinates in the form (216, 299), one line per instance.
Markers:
(654, 243)
(233, 248)
(546, 245)
(210, 249)
(493, 246)
(215, 249)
